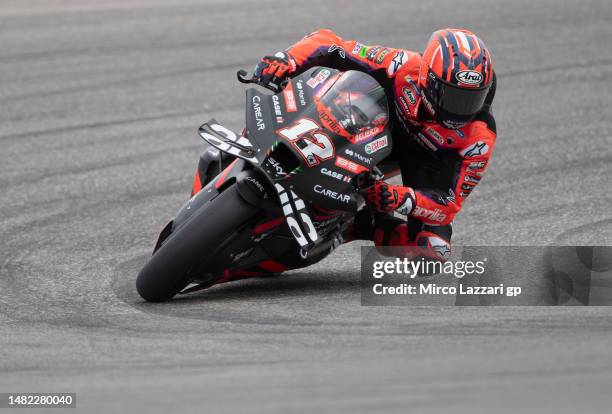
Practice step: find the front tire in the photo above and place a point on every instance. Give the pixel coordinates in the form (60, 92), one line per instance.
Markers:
(167, 272)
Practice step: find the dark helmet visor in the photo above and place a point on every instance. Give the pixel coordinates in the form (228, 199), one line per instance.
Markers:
(453, 99)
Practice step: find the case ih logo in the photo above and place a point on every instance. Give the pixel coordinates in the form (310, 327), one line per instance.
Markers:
(469, 77)
(277, 109)
(335, 174)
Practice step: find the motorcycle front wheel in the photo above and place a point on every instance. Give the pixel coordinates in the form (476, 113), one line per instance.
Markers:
(167, 271)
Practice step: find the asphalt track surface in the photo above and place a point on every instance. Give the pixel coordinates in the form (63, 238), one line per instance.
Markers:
(100, 102)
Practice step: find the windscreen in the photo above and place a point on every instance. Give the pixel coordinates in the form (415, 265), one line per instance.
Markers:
(356, 101)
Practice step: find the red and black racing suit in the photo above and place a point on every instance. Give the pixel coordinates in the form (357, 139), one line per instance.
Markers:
(441, 165)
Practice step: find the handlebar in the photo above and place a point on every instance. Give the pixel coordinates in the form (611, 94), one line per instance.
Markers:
(243, 77)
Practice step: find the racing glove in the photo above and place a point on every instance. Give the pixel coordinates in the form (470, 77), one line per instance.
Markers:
(274, 69)
(384, 197)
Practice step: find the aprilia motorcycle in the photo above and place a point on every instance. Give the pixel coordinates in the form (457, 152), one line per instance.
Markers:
(305, 154)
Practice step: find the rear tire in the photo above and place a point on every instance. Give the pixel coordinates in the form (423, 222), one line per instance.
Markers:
(167, 272)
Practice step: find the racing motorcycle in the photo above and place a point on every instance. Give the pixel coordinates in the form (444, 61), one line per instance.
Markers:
(307, 148)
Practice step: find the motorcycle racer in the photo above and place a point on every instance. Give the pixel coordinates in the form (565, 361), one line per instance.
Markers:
(442, 128)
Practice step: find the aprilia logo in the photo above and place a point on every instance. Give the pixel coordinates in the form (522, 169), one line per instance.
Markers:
(433, 215)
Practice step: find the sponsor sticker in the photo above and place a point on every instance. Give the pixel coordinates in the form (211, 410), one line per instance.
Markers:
(398, 60)
(358, 156)
(376, 145)
(293, 210)
(425, 142)
(335, 48)
(277, 109)
(367, 134)
(433, 215)
(319, 78)
(434, 134)
(326, 87)
(335, 174)
(319, 189)
(476, 165)
(329, 122)
(350, 165)
(477, 149)
(409, 95)
(289, 96)
(381, 56)
(447, 198)
(363, 51)
(257, 112)
(428, 105)
(372, 53)
(471, 179)
(273, 167)
(406, 207)
(469, 77)
(450, 124)
(300, 92)
(357, 48)
(257, 184)
(412, 85)
(402, 105)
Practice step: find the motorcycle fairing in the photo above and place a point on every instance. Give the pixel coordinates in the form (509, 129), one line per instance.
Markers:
(327, 181)
(228, 141)
(297, 216)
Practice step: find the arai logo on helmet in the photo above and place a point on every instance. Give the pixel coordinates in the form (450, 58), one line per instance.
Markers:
(469, 77)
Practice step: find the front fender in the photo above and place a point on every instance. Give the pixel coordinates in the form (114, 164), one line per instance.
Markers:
(208, 193)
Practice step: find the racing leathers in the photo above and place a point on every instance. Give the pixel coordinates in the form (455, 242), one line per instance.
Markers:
(440, 166)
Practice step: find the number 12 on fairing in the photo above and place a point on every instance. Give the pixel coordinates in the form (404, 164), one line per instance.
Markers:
(314, 146)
